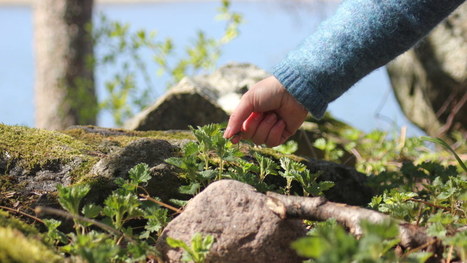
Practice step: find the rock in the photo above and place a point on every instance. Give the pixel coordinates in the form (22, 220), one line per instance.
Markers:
(145, 150)
(184, 105)
(199, 100)
(230, 82)
(33, 162)
(47, 177)
(346, 180)
(245, 230)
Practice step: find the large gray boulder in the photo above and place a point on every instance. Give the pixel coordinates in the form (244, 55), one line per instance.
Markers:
(245, 230)
(199, 100)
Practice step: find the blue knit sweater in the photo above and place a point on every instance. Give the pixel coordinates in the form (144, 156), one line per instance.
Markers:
(362, 36)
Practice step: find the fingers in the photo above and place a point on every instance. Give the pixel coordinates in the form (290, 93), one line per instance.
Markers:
(267, 114)
(263, 129)
(276, 134)
(241, 113)
(251, 124)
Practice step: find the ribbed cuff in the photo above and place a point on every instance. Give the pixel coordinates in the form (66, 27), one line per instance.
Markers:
(297, 86)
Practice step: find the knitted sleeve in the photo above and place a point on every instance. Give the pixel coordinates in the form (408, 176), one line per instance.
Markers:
(362, 36)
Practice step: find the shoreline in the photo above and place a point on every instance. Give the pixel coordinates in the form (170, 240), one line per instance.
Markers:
(30, 2)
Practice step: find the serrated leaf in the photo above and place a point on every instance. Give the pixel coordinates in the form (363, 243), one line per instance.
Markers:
(91, 210)
(140, 173)
(70, 197)
(325, 185)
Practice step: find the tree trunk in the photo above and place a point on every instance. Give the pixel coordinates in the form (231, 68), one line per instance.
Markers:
(430, 80)
(64, 88)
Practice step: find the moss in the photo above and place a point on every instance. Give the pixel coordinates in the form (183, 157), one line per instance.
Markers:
(31, 148)
(167, 135)
(21, 242)
(16, 247)
(120, 137)
(6, 220)
(35, 147)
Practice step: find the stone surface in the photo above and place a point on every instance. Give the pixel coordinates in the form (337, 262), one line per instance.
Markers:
(350, 186)
(184, 105)
(145, 150)
(32, 169)
(229, 82)
(245, 230)
(199, 100)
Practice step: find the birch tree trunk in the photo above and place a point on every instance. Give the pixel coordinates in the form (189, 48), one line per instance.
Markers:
(64, 85)
(430, 80)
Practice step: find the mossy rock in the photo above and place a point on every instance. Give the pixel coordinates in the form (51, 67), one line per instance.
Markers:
(33, 162)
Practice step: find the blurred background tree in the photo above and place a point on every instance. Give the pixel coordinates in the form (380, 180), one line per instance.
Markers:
(64, 86)
(65, 92)
(430, 80)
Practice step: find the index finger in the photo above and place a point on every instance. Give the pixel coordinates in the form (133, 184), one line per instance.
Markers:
(240, 114)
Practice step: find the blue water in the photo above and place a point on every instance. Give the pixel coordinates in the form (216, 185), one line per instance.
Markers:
(269, 31)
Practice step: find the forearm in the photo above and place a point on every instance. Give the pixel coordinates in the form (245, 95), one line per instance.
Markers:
(362, 36)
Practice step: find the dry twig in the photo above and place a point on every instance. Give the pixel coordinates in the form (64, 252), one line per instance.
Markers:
(320, 209)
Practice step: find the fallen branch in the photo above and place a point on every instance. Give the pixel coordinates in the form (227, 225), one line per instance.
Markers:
(320, 209)
(21, 213)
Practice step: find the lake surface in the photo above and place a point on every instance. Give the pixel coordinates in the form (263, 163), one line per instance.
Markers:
(270, 30)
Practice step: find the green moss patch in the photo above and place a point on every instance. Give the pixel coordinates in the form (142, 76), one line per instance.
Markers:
(35, 147)
(21, 242)
(6, 220)
(16, 247)
(96, 138)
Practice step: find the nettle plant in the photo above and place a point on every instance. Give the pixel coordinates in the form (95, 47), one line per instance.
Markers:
(412, 183)
(119, 241)
(111, 233)
(423, 193)
(197, 251)
(212, 157)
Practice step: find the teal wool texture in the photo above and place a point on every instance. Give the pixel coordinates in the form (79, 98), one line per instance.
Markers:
(362, 36)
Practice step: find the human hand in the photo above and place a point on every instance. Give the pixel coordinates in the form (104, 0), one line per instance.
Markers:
(267, 114)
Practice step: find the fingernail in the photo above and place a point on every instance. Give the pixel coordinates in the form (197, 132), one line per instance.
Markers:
(256, 115)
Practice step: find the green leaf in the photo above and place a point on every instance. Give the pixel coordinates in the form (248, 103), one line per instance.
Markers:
(289, 147)
(157, 220)
(53, 233)
(140, 173)
(328, 242)
(120, 208)
(175, 243)
(191, 189)
(325, 185)
(70, 197)
(320, 143)
(91, 210)
(309, 247)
